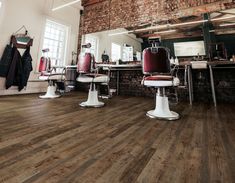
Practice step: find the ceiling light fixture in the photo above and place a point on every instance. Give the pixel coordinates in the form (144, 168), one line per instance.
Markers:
(0, 4)
(165, 32)
(65, 5)
(223, 18)
(188, 23)
(173, 25)
(170, 25)
(153, 27)
(119, 33)
(228, 24)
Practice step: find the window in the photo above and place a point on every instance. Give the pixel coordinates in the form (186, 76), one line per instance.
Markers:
(138, 56)
(94, 45)
(127, 53)
(193, 48)
(116, 52)
(55, 38)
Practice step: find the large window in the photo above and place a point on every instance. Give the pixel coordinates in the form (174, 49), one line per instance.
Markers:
(55, 38)
(116, 52)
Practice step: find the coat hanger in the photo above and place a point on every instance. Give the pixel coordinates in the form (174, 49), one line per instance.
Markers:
(20, 40)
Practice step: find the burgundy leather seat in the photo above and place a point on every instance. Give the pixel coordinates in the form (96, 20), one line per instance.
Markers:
(157, 70)
(89, 74)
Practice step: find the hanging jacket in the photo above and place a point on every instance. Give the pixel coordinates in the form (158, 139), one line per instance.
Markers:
(6, 61)
(19, 74)
(27, 66)
(19, 70)
(13, 75)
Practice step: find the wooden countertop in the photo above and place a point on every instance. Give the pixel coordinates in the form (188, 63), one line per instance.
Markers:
(213, 63)
(119, 66)
(182, 63)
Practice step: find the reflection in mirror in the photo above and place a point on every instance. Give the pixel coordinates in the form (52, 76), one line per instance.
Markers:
(113, 46)
(208, 36)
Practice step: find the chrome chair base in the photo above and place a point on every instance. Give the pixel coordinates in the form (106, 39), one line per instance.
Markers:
(162, 110)
(92, 100)
(173, 117)
(87, 104)
(50, 94)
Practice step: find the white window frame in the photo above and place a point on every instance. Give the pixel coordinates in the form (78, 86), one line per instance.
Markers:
(113, 43)
(65, 42)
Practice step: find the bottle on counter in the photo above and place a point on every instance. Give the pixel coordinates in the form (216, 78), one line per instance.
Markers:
(176, 61)
(172, 60)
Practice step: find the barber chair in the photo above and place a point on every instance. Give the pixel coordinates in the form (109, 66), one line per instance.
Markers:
(51, 75)
(88, 74)
(52, 78)
(157, 71)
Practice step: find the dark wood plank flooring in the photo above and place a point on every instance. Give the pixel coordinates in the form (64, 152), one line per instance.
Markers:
(55, 140)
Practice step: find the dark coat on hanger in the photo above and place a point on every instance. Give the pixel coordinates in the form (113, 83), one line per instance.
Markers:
(19, 70)
(6, 61)
(27, 66)
(13, 75)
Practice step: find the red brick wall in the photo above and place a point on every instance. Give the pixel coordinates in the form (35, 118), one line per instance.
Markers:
(111, 14)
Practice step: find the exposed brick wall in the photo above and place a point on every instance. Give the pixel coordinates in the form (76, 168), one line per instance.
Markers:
(110, 14)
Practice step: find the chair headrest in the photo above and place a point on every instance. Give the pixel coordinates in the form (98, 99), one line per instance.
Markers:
(88, 45)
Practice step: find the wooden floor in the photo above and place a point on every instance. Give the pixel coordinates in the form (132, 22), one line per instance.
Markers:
(57, 141)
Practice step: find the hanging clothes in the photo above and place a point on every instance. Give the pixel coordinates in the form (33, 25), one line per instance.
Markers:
(13, 75)
(19, 70)
(6, 60)
(14, 67)
(27, 66)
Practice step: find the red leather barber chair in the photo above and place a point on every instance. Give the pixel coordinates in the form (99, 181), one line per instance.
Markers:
(50, 74)
(88, 74)
(157, 71)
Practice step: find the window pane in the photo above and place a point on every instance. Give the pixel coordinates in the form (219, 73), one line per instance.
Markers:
(116, 52)
(55, 39)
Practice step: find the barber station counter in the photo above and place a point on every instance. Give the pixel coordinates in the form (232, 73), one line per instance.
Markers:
(214, 84)
(117, 74)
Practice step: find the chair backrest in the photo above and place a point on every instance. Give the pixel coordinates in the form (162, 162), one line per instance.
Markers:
(85, 63)
(45, 64)
(156, 60)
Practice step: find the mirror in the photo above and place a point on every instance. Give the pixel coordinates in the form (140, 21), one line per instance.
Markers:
(210, 35)
(114, 45)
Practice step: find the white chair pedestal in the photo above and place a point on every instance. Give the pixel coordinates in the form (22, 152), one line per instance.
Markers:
(51, 89)
(162, 110)
(92, 100)
(50, 94)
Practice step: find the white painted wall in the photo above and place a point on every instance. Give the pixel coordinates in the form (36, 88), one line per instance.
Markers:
(33, 14)
(105, 41)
